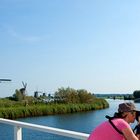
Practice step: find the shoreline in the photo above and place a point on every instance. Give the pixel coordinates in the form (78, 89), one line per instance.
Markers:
(50, 109)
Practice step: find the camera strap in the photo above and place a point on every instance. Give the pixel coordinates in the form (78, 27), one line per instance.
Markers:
(136, 130)
(110, 121)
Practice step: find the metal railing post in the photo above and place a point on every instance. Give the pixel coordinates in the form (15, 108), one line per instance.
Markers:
(17, 133)
(19, 125)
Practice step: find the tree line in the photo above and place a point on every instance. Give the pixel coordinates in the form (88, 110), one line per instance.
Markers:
(62, 95)
(65, 100)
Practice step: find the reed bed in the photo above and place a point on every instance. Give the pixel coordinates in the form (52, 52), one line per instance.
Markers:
(21, 111)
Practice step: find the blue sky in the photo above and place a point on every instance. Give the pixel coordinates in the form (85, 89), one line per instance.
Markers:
(82, 44)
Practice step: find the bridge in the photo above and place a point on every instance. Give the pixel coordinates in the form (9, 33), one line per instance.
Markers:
(19, 125)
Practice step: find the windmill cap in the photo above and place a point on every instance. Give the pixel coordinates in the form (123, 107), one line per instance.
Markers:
(127, 107)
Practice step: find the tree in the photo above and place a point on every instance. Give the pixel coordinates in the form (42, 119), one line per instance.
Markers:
(70, 95)
(18, 96)
(136, 94)
(85, 96)
(67, 95)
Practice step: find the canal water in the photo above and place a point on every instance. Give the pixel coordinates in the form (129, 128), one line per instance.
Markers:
(82, 122)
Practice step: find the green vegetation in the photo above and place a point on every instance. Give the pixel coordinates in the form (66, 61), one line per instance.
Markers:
(70, 95)
(65, 100)
(49, 109)
(136, 94)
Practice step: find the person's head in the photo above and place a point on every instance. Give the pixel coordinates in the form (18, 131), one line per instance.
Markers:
(128, 111)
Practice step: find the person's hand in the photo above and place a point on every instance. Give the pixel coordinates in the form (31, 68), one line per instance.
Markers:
(138, 136)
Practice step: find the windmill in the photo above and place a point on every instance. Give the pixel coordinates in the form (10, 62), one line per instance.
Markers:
(36, 94)
(23, 90)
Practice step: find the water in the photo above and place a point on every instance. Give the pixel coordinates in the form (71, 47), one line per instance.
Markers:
(82, 122)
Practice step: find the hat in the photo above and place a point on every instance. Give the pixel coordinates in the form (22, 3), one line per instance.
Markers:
(126, 107)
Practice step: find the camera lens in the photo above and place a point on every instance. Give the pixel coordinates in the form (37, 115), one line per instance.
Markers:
(137, 115)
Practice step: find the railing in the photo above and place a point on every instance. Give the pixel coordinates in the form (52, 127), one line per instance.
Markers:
(19, 125)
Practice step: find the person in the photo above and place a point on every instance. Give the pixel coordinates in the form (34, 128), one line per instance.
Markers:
(118, 126)
(136, 130)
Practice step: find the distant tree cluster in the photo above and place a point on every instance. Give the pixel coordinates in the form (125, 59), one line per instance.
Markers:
(62, 95)
(21, 97)
(136, 94)
(70, 95)
(18, 96)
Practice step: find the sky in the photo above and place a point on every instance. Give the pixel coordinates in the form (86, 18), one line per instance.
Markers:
(81, 44)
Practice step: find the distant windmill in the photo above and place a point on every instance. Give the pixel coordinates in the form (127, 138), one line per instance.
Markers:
(36, 93)
(23, 90)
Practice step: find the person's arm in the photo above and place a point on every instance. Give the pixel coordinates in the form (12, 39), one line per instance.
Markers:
(129, 135)
(138, 136)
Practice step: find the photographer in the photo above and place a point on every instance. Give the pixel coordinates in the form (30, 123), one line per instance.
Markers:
(117, 127)
(137, 127)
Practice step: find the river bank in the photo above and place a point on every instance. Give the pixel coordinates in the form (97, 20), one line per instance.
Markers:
(15, 112)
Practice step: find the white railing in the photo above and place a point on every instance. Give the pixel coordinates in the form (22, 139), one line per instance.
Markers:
(19, 125)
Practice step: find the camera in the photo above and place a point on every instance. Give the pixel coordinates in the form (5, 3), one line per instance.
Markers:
(137, 115)
(136, 130)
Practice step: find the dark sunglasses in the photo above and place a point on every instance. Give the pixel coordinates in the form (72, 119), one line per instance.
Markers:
(132, 112)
